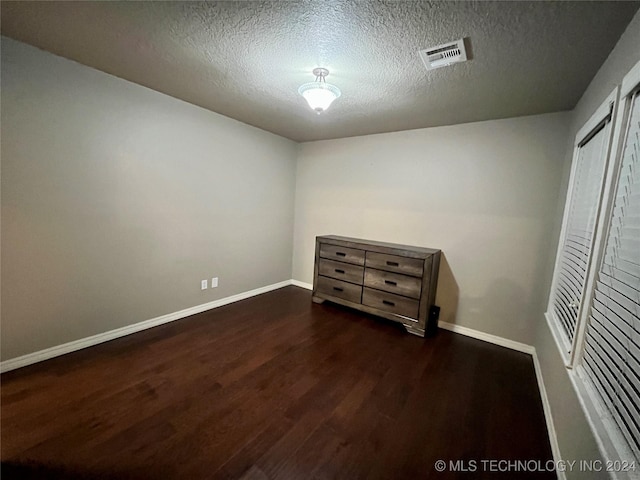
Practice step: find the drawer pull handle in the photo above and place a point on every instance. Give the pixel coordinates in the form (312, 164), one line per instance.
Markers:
(340, 254)
(387, 302)
(393, 264)
(339, 271)
(338, 289)
(389, 282)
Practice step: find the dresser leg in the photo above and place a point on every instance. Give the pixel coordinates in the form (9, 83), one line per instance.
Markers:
(415, 331)
(317, 300)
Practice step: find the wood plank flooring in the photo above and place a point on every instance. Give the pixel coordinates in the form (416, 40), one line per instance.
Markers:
(273, 387)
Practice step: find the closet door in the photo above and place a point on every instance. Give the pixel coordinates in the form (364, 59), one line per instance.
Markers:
(580, 225)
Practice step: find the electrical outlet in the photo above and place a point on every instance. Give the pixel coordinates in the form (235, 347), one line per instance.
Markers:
(214, 282)
(203, 285)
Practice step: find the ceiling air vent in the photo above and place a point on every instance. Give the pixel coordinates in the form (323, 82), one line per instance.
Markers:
(443, 55)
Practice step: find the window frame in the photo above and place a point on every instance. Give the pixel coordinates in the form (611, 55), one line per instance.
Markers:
(608, 435)
(568, 346)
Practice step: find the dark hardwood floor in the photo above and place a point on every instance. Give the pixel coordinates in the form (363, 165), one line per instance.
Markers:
(273, 387)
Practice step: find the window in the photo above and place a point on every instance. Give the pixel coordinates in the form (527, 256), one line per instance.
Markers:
(594, 308)
(567, 300)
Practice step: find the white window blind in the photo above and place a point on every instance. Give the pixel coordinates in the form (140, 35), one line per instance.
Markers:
(575, 252)
(611, 356)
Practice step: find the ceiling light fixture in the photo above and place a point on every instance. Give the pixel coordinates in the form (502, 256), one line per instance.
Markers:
(319, 94)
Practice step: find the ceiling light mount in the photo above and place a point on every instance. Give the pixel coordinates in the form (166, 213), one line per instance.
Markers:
(320, 73)
(319, 94)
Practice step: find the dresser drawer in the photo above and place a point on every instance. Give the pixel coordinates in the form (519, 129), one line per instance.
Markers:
(395, 263)
(389, 302)
(393, 283)
(340, 289)
(341, 271)
(342, 254)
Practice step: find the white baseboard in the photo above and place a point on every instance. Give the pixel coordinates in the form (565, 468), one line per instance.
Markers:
(546, 406)
(65, 348)
(298, 283)
(487, 337)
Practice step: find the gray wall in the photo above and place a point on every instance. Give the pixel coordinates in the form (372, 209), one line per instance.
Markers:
(117, 200)
(575, 438)
(481, 192)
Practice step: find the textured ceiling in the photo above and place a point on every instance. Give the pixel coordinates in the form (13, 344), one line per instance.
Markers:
(246, 60)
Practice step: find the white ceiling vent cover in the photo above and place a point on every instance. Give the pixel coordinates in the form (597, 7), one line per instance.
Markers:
(443, 55)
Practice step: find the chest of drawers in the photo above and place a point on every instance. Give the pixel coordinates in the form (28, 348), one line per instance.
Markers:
(397, 282)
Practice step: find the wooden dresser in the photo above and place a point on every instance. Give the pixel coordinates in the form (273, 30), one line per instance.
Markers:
(397, 282)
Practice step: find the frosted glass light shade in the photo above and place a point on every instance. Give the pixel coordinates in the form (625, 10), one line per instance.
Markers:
(319, 95)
